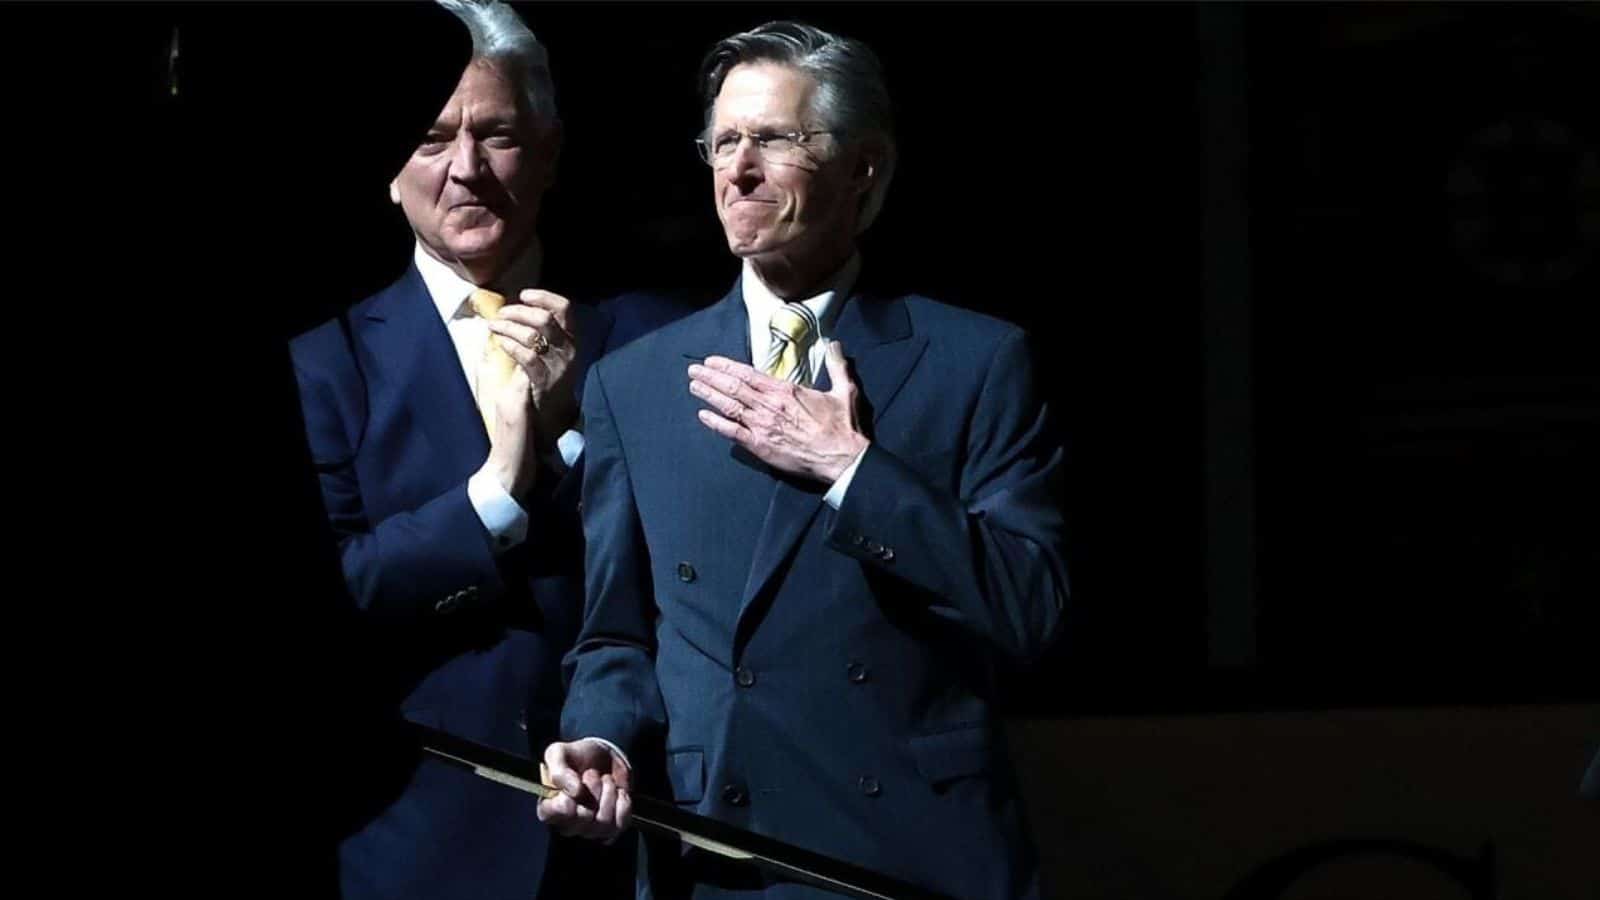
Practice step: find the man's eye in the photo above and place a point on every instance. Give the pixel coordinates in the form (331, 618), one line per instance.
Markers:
(433, 143)
(502, 141)
(726, 142)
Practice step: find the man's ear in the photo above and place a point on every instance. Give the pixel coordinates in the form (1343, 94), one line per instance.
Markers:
(869, 162)
(394, 190)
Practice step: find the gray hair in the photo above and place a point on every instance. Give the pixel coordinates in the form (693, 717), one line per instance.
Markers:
(499, 34)
(851, 95)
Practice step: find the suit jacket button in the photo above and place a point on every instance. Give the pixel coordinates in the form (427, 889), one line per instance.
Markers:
(522, 722)
(685, 572)
(869, 786)
(744, 677)
(886, 554)
(858, 540)
(856, 672)
(872, 547)
(734, 794)
(448, 604)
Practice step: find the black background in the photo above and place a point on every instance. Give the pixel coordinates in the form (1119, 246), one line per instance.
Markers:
(1416, 257)
(1422, 397)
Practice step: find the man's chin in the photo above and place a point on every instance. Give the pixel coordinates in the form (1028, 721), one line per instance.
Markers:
(747, 246)
(475, 245)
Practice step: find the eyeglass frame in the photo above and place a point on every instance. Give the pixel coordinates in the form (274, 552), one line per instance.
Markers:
(800, 137)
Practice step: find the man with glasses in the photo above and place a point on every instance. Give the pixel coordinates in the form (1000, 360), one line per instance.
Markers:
(819, 518)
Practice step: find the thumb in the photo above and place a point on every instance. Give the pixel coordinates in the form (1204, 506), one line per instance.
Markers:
(561, 774)
(838, 370)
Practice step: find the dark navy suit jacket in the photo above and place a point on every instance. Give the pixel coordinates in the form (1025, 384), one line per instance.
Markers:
(825, 677)
(447, 632)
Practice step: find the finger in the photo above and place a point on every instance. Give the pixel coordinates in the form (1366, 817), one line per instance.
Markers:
(524, 322)
(550, 811)
(740, 390)
(560, 811)
(606, 811)
(558, 306)
(583, 824)
(730, 430)
(624, 808)
(732, 367)
(537, 330)
(522, 353)
(726, 406)
(561, 773)
(756, 379)
(531, 367)
(516, 328)
(727, 384)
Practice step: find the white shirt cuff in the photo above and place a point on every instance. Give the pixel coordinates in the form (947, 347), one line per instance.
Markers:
(835, 495)
(571, 446)
(615, 750)
(504, 519)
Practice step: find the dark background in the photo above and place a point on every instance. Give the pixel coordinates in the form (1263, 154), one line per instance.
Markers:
(1315, 284)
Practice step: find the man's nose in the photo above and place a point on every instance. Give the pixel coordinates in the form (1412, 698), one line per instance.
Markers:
(745, 165)
(466, 159)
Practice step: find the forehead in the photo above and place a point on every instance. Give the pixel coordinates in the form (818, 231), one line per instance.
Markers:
(486, 88)
(766, 94)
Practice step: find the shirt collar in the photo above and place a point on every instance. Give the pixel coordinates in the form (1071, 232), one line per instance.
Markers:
(760, 301)
(450, 291)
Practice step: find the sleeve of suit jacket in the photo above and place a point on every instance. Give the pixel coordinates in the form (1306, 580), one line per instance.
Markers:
(403, 564)
(612, 691)
(990, 557)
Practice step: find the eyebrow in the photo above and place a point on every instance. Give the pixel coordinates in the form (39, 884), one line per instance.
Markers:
(490, 126)
(768, 127)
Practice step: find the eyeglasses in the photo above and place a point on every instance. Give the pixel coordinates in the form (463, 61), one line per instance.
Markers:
(782, 147)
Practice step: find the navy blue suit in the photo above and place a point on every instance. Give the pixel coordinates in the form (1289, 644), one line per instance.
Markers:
(824, 677)
(447, 633)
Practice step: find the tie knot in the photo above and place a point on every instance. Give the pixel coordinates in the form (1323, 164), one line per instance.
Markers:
(486, 303)
(795, 323)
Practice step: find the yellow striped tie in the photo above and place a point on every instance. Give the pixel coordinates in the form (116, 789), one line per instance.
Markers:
(794, 330)
(496, 366)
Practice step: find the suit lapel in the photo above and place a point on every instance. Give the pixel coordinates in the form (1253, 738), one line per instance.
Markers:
(879, 344)
(722, 330)
(411, 344)
(881, 348)
(725, 332)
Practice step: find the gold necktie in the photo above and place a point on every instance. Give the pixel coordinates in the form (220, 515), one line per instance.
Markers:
(794, 330)
(496, 366)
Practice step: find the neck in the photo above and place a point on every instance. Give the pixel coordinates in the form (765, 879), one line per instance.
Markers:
(499, 270)
(479, 272)
(793, 279)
